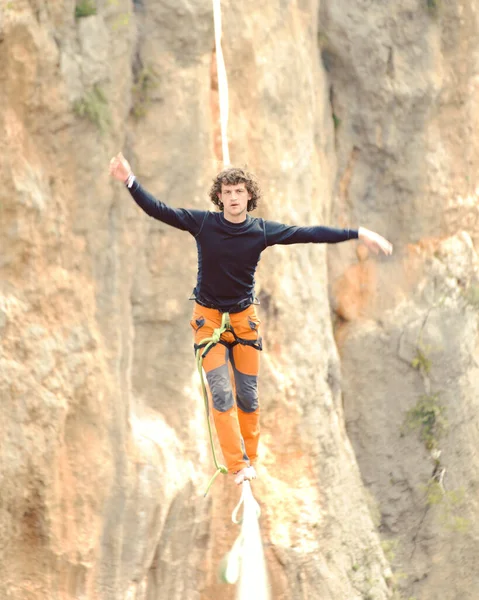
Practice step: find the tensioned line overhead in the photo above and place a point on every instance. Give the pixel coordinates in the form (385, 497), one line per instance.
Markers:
(222, 82)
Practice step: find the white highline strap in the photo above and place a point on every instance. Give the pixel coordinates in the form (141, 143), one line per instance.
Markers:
(222, 82)
(245, 564)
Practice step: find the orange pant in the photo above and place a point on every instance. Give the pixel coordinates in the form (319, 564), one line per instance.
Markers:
(235, 403)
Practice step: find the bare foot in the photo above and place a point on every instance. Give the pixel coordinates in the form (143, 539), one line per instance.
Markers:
(245, 474)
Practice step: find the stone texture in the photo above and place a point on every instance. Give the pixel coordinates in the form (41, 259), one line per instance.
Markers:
(404, 95)
(104, 456)
(425, 347)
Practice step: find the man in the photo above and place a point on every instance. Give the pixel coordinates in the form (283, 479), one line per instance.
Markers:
(229, 243)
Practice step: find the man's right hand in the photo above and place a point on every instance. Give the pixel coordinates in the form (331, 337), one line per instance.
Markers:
(120, 168)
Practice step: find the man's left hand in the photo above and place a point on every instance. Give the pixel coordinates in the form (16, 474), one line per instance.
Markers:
(374, 241)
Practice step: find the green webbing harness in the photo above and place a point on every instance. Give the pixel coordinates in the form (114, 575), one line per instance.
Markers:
(201, 351)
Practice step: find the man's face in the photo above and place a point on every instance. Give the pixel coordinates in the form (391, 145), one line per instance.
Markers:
(235, 201)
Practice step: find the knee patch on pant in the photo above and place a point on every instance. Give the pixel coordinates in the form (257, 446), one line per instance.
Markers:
(220, 387)
(246, 392)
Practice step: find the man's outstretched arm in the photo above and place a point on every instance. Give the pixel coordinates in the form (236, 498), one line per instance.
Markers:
(278, 233)
(187, 220)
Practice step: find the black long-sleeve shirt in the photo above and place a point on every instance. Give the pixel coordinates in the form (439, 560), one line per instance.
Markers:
(228, 253)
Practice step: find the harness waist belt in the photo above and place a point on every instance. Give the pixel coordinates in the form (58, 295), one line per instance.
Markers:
(239, 307)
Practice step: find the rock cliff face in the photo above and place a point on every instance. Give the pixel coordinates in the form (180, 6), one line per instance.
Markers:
(403, 83)
(367, 117)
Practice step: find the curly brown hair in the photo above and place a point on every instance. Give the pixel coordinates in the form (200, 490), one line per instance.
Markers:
(233, 176)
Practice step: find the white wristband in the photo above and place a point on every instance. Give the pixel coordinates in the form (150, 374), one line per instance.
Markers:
(129, 181)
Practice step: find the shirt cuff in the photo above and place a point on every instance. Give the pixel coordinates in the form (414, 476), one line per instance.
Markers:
(130, 181)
